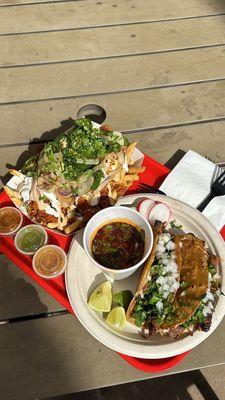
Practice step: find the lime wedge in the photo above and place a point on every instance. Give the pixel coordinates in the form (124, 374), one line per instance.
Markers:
(101, 298)
(117, 317)
(123, 298)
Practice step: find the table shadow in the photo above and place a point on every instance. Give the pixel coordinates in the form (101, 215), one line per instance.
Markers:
(174, 387)
(19, 298)
(36, 145)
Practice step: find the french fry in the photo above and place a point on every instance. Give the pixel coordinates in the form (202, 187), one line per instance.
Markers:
(114, 194)
(11, 193)
(62, 221)
(17, 202)
(52, 225)
(130, 150)
(16, 173)
(130, 178)
(136, 170)
(119, 176)
(122, 175)
(74, 226)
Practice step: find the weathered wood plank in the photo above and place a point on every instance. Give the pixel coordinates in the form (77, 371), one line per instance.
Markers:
(154, 143)
(20, 295)
(111, 41)
(125, 111)
(28, 2)
(111, 75)
(81, 14)
(60, 348)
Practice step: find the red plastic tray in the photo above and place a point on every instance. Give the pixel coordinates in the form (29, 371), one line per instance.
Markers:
(154, 174)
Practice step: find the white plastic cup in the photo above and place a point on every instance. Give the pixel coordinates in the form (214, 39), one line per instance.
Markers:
(33, 227)
(112, 214)
(59, 250)
(13, 232)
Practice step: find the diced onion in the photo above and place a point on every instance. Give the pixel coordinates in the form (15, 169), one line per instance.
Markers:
(170, 245)
(159, 306)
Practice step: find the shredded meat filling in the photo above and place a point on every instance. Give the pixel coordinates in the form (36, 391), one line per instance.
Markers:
(40, 216)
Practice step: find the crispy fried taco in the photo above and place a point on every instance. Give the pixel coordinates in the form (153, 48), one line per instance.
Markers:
(178, 288)
(75, 175)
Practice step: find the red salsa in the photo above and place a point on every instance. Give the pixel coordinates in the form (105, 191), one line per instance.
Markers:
(118, 245)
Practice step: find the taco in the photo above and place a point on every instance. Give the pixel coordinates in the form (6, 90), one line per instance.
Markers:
(178, 288)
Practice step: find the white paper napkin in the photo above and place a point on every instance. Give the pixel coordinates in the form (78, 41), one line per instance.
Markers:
(190, 182)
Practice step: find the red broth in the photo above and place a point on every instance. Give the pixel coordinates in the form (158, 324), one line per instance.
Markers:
(118, 245)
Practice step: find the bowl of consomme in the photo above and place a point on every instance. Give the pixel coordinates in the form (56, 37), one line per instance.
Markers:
(118, 240)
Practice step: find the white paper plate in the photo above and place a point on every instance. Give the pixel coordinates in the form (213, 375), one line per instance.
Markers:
(82, 276)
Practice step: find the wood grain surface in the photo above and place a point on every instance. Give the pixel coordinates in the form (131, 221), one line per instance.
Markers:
(167, 106)
(83, 14)
(112, 75)
(112, 41)
(158, 69)
(68, 359)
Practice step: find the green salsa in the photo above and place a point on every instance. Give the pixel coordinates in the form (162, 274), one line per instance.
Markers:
(30, 239)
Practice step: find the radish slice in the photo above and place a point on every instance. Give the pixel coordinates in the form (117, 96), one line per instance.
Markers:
(145, 206)
(140, 202)
(159, 212)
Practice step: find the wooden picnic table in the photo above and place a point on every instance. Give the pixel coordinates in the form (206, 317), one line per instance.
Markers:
(157, 68)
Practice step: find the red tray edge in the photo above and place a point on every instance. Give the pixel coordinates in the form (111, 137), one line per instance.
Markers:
(154, 365)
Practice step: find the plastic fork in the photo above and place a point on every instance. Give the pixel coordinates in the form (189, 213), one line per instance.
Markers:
(217, 189)
(220, 164)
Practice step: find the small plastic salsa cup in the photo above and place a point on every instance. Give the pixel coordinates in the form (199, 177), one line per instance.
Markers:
(30, 238)
(49, 261)
(11, 220)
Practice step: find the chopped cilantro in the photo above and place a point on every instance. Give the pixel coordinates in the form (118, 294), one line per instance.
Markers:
(174, 224)
(184, 284)
(157, 269)
(43, 198)
(74, 152)
(140, 317)
(197, 318)
(75, 191)
(98, 175)
(30, 166)
(212, 269)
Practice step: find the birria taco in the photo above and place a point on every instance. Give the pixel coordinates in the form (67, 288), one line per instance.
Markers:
(178, 288)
